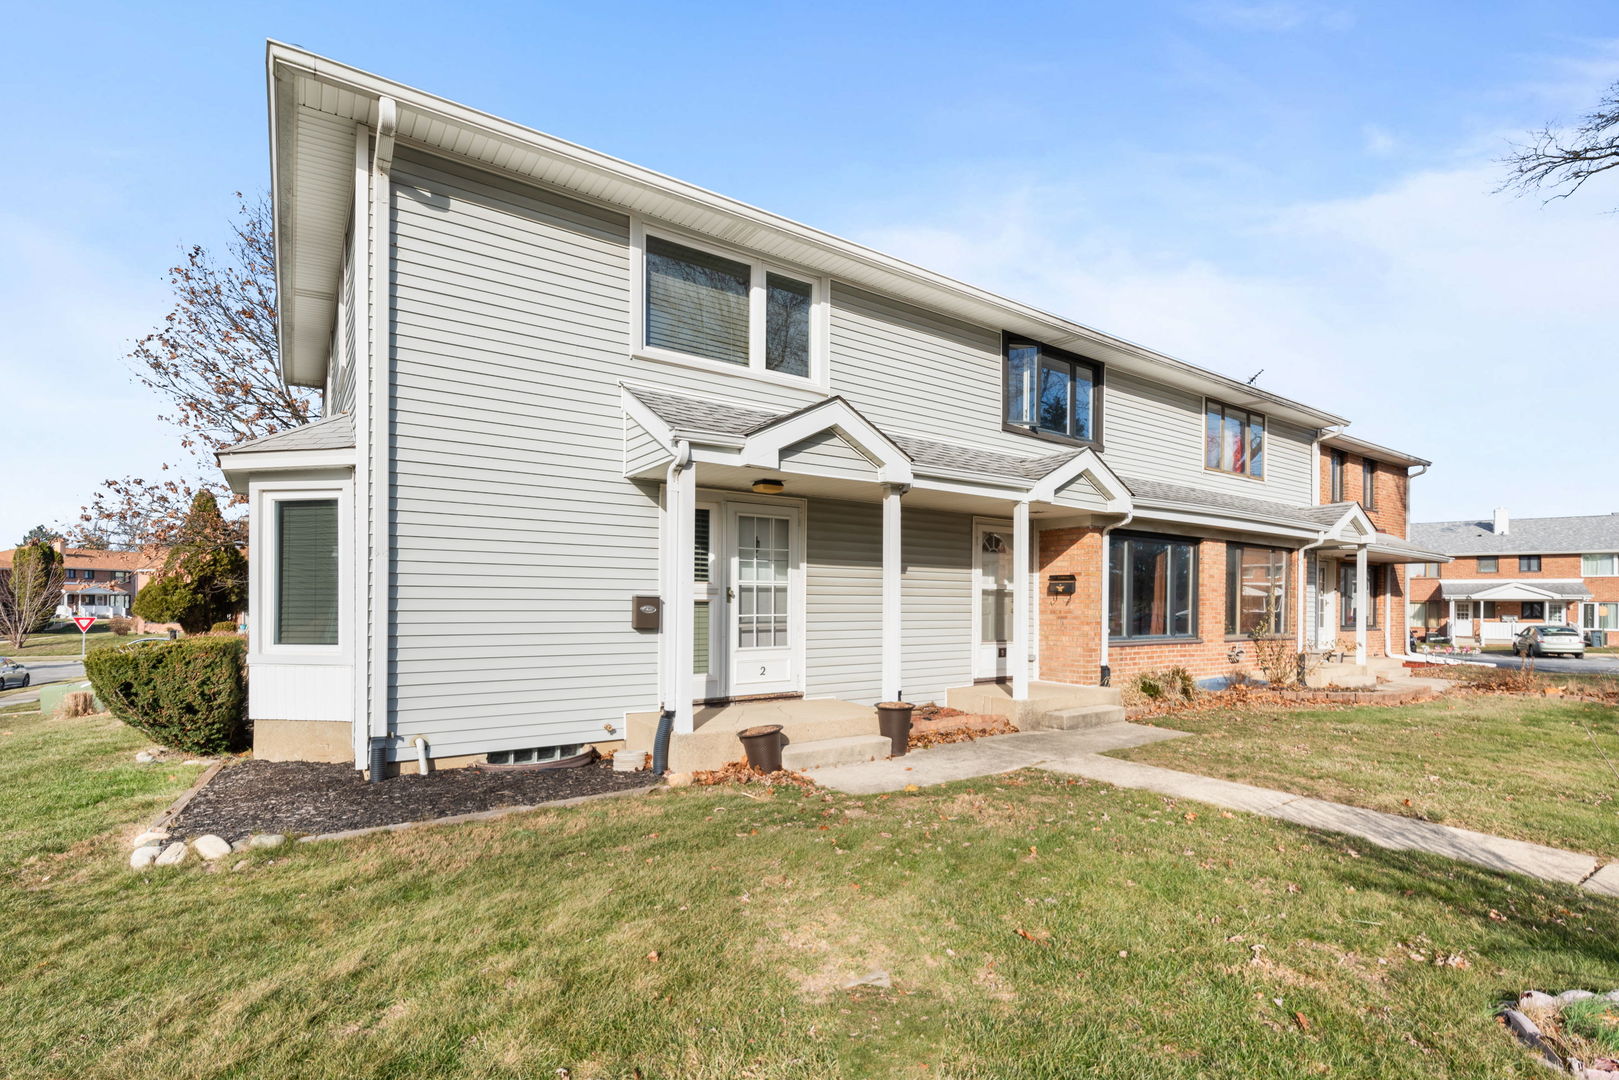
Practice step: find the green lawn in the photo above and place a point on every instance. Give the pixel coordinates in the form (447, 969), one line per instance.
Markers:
(1520, 766)
(65, 642)
(1033, 926)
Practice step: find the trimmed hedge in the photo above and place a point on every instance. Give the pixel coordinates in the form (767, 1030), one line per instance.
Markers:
(188, 695)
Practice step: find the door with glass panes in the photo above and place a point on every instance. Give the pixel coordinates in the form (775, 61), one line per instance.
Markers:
(764, 595)
(992, 607)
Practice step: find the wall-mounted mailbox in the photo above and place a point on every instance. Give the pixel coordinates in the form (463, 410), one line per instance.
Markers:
(1061, 584)
(647, 613)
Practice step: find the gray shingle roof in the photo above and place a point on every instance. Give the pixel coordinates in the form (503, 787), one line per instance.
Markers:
(332, 433)
(1525, 536)
(1389, 542)
(685, 413)
(1461, 590)
(1158, 491)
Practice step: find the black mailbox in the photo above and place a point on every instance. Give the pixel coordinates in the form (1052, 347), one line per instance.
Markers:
(647, 613)
(1061, 584)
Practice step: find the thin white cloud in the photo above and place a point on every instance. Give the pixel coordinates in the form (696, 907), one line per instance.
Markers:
(1277, 16)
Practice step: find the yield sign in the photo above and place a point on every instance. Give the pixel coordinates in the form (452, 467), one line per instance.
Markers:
(84, 622)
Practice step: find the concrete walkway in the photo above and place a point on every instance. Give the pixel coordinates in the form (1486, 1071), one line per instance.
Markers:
(1079, 753)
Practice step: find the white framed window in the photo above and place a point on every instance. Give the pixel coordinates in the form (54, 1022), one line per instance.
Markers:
(301, 604)
(705, 305)
(1599, 615)
(1606, 565)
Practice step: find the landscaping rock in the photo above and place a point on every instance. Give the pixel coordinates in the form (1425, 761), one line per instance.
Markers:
(211, 847)
(1612, 995)
(1600, 1074)
(877, 978)
(150, 836)
(1534, 999)
(266, 840)
(678, 779)
(142, 857)
(173, 855)
(1526, 1031)
(1574, 995)
(145, 756)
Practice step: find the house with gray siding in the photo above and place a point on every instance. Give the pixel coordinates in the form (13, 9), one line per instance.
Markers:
(602, 450)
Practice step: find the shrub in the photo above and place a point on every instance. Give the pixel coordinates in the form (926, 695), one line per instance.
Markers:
(228, 626)
(120, 625)
(204, 579)
(189, 695)
(1172, 684)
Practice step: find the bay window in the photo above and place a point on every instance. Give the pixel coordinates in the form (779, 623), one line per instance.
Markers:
(1049, 392)
(709, 307)
(1255, 590)
(1152, 587)
(1233, 440)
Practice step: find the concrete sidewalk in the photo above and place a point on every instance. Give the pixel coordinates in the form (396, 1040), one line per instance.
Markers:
(1079, 753)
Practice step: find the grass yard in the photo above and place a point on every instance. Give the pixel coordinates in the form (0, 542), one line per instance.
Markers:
(1526, 767)
(1033, 926)
(65, 642)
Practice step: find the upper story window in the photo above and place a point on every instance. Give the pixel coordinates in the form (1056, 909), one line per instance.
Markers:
(121, 576)
(1599, 565)
(1424, 569)
(1337, 476)
(1233, 440)
(1528, 564)
(1368, 484)
(73, 575)
(1488, 564)
(711, 307)
(1050, 393)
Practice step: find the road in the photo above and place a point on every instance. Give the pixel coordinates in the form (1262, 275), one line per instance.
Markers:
(1592, 664)
(47, 669)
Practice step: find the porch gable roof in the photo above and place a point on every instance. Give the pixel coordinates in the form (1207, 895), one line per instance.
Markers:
(1513, 590)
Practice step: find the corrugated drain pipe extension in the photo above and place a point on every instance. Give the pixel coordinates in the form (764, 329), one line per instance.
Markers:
(379, 759)
(660, 742)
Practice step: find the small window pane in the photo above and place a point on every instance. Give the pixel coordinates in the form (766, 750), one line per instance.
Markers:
(787, 324)
(1213, 424)
(1054, 397)
(306, 572)
(701, 553)
(1232, 452)
(1256, 445)
(1084, 395)
(1021, 363)
(696, 303)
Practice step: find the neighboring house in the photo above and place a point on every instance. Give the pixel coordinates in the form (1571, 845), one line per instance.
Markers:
(100, 583)
(600, 446)
(1506, 574)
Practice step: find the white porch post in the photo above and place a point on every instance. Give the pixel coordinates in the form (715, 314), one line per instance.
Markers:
(893, 634)
(1362, 601)
(1450, 627)
(679, 619)
(1018, 655)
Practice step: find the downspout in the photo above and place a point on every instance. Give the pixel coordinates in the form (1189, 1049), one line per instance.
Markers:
(1304, 590)
(1321, 435)
(380, 471)
(1107, 576)
(666, 715)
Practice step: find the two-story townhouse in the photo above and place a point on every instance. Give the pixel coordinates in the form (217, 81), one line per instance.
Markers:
(97, 582)
(605, 452)
(1507, 573)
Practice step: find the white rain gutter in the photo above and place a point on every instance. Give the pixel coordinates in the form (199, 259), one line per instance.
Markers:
(1304, 589)
(1107, 560)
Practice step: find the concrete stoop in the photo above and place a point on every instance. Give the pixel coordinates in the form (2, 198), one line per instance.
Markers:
(1076, 718)
(1348, 676)
(1045, 700)
(819, 753)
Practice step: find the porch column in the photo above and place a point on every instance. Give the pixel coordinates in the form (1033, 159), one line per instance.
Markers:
(893, 635)
(1450, 626)
(1362, 601)
(1018, 655)
(679, 619)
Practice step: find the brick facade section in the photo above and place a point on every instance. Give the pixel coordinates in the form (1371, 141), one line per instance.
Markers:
(1565, 567)
(1071, 626)
(1391, 490)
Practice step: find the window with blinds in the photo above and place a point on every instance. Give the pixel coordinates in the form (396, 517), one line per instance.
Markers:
(306, 586)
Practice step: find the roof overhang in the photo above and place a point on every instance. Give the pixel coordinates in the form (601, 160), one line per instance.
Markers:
(239, 467)
(315, 104)
(1342, 441)
(1506, 590)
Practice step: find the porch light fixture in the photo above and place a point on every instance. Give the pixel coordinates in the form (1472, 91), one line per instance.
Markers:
(768, 487)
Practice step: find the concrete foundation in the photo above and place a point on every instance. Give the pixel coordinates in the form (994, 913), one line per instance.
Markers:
(303, 740)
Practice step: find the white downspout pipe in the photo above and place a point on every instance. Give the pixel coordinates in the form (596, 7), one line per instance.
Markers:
(1304, 591)
(1107, 576)
(421, 755)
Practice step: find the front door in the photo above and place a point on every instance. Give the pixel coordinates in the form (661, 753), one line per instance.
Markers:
(1464, 620)
(1326, 603)
(764, 591)
(992, 611)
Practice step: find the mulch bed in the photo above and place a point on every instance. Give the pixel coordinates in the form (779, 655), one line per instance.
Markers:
(307, 797)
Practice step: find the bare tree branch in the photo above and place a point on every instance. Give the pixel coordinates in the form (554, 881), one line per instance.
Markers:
(1562, 161)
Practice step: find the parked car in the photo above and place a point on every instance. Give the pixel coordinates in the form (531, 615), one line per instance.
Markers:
(1545, 640)
(13, 674)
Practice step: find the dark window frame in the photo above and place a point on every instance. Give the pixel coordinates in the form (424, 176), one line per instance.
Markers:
(1339, 460)
(1120, 597)
(1493, 560)
(1528, 564)
(1540, 614)
(1034, 431)
(1249, 416)
(1233, 622)
(1368, 484)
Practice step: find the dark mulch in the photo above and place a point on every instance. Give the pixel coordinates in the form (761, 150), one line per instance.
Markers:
(305, 797)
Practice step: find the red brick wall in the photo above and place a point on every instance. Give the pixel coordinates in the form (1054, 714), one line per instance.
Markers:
(1392, 490)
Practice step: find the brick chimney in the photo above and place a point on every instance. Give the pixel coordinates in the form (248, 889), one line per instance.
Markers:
(1503, 523)
(60, 544)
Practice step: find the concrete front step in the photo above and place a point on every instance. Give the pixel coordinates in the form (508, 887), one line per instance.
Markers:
(995, 699)
(818, 753)
(1073, 719)
(1349, 676)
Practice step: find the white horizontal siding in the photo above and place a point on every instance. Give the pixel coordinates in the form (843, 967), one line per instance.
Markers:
(826, 454)
(843, 573)
(300, 691)
(641, 450)
(936, 600)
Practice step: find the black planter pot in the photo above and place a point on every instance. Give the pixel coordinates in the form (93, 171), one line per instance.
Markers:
(763, 745)
(894, 721)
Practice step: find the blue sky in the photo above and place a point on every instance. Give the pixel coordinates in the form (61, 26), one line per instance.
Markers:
(1297, 187)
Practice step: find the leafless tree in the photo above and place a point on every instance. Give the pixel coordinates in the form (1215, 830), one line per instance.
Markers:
(30, 590)
(1561, 160)
(214, 361)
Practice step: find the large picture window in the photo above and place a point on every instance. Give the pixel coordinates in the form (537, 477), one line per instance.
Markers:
(703, 305)
(1255, 590)
(1049, 392)
(1152, 587)
(306, 577)
(1233, 439)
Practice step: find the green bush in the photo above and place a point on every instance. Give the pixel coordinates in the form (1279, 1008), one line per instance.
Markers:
(226, 627)
(1171, 684)
(188, 695)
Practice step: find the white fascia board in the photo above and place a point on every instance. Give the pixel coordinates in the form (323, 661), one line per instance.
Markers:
(1356, 516)
(239, 467)
(622, 184)
(1089, 465)
(1183, 514)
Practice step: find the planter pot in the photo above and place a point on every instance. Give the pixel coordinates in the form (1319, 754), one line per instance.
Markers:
(763, 745)
(894, 721)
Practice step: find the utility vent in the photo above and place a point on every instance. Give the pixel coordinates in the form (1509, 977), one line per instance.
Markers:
(533, 755)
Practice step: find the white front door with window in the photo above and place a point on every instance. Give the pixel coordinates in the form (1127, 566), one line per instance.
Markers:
(765, 595)
(992, 606)
(1464, 620)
